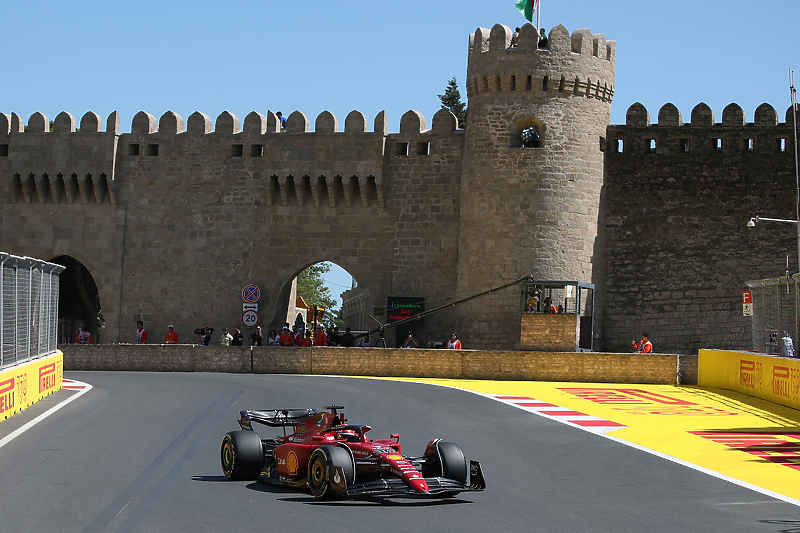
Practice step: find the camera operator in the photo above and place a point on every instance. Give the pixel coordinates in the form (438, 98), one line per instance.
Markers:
(411, 341)
(204, 335)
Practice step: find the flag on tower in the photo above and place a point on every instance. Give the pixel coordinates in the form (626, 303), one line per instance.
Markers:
(528, 8)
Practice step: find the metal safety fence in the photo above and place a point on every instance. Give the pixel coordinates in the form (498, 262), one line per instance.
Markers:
(29, 310)
(774, 314)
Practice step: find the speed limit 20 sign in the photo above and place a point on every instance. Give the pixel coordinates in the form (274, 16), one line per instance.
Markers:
(250, 318)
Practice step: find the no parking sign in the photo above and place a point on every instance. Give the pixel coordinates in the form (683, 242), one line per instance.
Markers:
(251, 294)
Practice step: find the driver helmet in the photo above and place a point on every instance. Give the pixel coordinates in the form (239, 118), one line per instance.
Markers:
(348, 435)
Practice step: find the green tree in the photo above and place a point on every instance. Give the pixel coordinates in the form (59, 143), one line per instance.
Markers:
(451, 99)
(311, 287)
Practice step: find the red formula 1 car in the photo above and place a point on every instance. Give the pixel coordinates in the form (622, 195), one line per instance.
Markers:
(334, 458)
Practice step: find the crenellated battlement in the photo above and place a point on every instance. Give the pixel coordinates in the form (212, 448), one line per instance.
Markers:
(702, 134)
(144, 123)
(581, 64)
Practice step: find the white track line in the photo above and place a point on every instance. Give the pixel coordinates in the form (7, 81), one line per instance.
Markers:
(68, 384)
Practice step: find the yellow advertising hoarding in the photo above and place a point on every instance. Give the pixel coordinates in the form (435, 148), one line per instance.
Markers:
(24, 385)
(772, 378)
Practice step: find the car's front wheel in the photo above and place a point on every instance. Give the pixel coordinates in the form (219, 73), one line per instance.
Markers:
(320, 470)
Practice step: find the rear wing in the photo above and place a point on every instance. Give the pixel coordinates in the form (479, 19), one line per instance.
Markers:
(274, 417)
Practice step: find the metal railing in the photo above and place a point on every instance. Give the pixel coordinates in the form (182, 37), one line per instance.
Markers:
(776, 303)
(28, 308)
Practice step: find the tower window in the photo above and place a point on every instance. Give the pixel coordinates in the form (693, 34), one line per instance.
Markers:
(423, 148)
(237, 150)
(650, 146)
(257, 150)
(780, 145)
(402, 149)
(133, 150)
(152, 150)
(683, 146)
(716, 146)
(617, 146)
(530, 138)
(748, 145)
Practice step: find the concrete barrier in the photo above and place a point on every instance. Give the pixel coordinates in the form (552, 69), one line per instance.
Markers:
(422, 363)
(770, 377)
(23, 385)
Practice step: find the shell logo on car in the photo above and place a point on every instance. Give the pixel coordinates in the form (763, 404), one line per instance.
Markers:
(291, 463)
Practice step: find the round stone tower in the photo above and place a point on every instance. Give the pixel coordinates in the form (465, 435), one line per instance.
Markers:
(532, 169)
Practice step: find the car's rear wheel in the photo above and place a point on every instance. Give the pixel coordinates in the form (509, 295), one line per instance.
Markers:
(242, 455)
(320, 470)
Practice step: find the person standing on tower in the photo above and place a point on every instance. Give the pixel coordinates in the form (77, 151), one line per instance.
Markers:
(542, 38)
(282, 120)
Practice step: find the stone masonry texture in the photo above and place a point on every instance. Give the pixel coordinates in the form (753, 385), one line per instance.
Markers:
(173, 218)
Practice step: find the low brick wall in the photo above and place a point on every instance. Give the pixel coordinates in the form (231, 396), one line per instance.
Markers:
(455, 364)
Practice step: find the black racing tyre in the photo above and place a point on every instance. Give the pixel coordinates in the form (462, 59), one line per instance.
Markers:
(454, 464)
(320, 467)
(242, 455)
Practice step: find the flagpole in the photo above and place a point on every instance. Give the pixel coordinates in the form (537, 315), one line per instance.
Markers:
(538, 12)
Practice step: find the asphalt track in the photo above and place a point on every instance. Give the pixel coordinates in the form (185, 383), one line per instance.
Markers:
(140, 452)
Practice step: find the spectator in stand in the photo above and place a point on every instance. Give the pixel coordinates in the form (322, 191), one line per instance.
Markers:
(306, 340)
(348, 339)
(227, 338)
(645, 346)
(84, 337)
(297, 336)
(238, 337)
(171, 337)
(141, 333)
(273, 339)
(453, 343)
(515, 38)
(257, 338)
(333, 336)
(320, 339)
(364, 342)
(286, 338)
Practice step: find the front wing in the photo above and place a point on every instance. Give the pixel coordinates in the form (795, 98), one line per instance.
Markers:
(396, 486)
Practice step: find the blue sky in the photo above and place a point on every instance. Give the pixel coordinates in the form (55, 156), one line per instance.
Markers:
(314, 56)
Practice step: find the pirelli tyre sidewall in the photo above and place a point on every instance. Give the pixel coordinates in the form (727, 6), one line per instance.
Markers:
(242, 455)
(320, 469)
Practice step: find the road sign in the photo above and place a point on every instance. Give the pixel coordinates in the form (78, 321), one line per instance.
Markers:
(251, 294)
(249, 307)
(747, 303)
(250, 319)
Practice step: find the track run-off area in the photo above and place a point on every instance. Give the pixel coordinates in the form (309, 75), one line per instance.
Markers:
(140, 452)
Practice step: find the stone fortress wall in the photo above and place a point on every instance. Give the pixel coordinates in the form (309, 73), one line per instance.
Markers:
(677, 198)
(175, 217)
